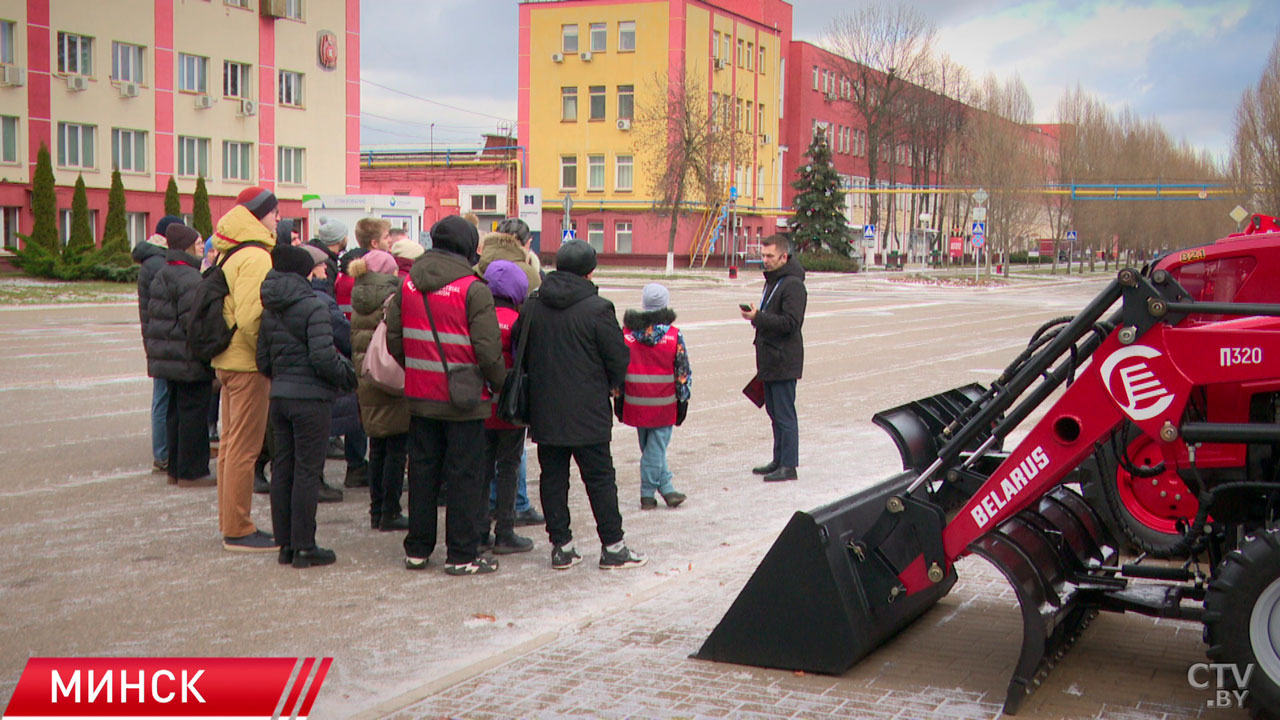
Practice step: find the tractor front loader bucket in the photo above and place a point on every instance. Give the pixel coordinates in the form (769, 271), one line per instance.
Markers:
(1050, 553)
(822, 599)
(917, 426)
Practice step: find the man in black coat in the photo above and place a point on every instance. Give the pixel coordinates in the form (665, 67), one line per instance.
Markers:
(780, 351)
(150, 255)
(576, 359)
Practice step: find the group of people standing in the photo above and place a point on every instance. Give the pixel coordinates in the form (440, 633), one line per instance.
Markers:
(304, 321)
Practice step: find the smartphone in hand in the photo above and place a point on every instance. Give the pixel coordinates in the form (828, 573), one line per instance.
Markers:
(745, 307)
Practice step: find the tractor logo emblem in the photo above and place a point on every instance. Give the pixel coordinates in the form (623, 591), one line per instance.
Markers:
(1133, 385)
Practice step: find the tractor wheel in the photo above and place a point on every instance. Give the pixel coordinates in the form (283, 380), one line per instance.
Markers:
(1141, 512)
(1242, 620)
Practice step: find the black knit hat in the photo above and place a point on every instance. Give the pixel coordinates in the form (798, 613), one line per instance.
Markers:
(292, 259)
(165, 222)
(455, 235)
(576, 257)
(180, 236)
(258, 201)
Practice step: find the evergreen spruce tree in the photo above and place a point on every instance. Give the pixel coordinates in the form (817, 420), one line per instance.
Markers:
(172, 202)
(819, 222)
(78, 256)
(40, 249)
(115, 236)
(202, 218)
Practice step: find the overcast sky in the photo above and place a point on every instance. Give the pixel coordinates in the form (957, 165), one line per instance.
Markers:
(1182, 62)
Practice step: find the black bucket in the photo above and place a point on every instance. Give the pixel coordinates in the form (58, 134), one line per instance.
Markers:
(916, 427)
(817, 604)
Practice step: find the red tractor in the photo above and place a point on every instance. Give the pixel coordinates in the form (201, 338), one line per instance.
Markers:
(1169, 410)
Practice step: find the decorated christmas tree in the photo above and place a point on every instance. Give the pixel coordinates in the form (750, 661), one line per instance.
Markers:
(819, 222)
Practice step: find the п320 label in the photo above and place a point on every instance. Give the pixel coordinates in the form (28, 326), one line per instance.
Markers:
(1239, 356)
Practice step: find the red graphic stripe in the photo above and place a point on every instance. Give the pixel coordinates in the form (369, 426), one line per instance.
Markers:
(295, 692)
(314, 690)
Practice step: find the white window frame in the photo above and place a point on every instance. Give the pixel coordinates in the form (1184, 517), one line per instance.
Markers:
(598, 32)
(621, 229)
(595, 173)
(597, 97)
(136, 225)
(569, 104)
(627, 163)
(64, 225)
(237, 79)
(291, 165)
(290, 92)
(128, 63)
(568, 162)
(135, 160)
(627, 29)
(567, 33)
(237, 160)
(751, 53)
(79, 62)
(193, 156)
(492, 199)
(193, 73)
(595, 235)
(84, 144)
(9, 139)
(293, 9)
(760, 181)
(815, 77)
(627, 110)
(243, 4)
(8, 40)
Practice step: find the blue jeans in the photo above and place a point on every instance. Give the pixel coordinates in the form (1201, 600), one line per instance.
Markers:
(654, 475)
(354, 447)
(159, 420)
(780, 403)
(522, 490)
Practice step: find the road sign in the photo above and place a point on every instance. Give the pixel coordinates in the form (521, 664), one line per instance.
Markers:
(981, 196)
(1071, 236)
(1239, 214)
(568, 204)
(868, 232)
(978, 240)
(980, 213)
(979, 229)
(733, 192)
(531, 208)
(568, 235)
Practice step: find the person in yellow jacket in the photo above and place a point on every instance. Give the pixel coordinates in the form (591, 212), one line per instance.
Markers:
(244, 390)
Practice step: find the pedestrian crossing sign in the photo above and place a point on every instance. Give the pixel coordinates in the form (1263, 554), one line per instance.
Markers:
(567, 235)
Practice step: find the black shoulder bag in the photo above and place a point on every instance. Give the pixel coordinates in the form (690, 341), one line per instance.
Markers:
(513, 403)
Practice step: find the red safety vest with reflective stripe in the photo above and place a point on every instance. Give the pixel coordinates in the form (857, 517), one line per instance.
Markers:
(424, 377)
(649, 399)
(342, 292)
(506, 320)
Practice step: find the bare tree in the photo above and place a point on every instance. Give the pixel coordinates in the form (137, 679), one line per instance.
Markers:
(1255, 157)
(881, 49)
(686, 146)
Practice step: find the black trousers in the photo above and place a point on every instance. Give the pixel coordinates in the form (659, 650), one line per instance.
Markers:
(387, 457)
(449, 453)
(780, 403)
(502, 451)
(595, 465)
(301, 440)
(187, 429)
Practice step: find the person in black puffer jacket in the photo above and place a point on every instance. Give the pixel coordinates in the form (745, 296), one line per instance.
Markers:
(576, 358)
(150, 255)
(296, 350)
(190, 381)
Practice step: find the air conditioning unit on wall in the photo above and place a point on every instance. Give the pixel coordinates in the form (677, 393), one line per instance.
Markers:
(128, 89)
(273, 8)
(557, 57)
(77, 83)
(765, 139)
(721, 63)
(204, 102)
(586, 56)
(624, 123)
(13, 76)
(248, 107)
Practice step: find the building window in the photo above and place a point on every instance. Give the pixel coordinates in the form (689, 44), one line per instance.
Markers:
(289, 163)
(751, 53)
(235, 79)
(484, 203)
(239, 3)
(75, 54)
(746, 115)
(760, 62)
(290, 84)
(129, 150)
(595, 235)
(8, 139)
(293, 9)
(236, 164)
(622, 237)
(715, 44)
(193, 73)
(626, 169)
(760, 181)
(728, 53)
(6, 42)
(126, 62)
(597, 101)
(569, 104)
(75, 145)
(626, 101)
(64, 232)
(627, 36)
(742, 44)
(595, 172)
(599, 37)
(815, 77)
(569, 39)
(760, 118)
(9, 226)
(569, 172)
(135, 227)
(193, 156)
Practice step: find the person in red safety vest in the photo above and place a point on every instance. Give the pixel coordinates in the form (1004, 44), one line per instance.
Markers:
(446, 423)
(656, 394)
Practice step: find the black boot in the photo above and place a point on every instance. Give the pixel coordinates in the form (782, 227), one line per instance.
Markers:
(314, 556)
(782, 473)
(329, 494)
(766, 469)
(510, 543)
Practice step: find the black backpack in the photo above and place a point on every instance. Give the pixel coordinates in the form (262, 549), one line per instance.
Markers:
(207, 333)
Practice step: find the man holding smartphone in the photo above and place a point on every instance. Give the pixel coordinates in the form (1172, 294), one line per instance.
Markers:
(780, 351)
